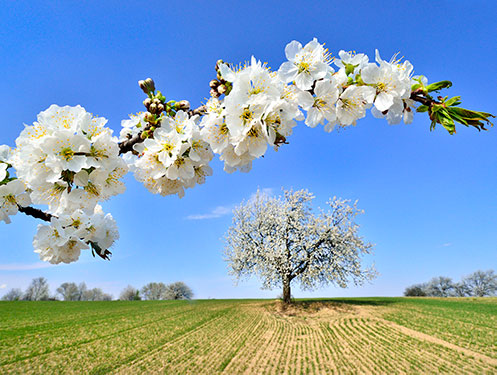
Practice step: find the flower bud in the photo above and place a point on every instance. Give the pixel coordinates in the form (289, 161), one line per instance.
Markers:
(219, 62)
(214, 93)
(147, 102)
(150, 83)
(182, 105)
(214, 83)
(147, 85)
(160, 108)
(149, 117)
(152, 108)
(222, 89)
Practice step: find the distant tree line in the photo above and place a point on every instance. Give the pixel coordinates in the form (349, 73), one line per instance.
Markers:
(39, 290)
(157, 291)
(477, 284)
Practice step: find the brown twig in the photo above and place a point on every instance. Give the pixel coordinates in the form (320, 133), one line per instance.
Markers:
(417, 96)
(35, 212)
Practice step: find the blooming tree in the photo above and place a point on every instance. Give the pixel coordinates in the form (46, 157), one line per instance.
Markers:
(281, 240)
(69, 292)
(440, 286)
(130, 293)
(481, 283)
(178, 290)
(154, 291)
(69, 161)
(38, 290)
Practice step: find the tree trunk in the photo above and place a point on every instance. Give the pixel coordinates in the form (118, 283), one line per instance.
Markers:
(287, 296)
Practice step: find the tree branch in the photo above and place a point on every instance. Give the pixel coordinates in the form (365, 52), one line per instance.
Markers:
(418, 97)
(303, 264)
(198, 111)
(35, 212)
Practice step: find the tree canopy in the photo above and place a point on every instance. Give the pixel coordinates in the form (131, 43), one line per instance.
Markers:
(281, 240)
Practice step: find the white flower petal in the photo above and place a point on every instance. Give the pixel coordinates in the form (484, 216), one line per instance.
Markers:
(292, 49)
(383, 101)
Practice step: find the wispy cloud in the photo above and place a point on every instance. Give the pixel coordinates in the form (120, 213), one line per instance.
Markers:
(447, 244)
(24, 266)
(219, 211)
(3, 286)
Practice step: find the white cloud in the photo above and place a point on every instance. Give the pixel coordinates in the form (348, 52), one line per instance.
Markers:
(24, 266)
(447, 244)
(219, 211)
(3, 286)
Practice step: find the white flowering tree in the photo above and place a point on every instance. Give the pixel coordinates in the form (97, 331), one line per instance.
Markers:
(481, 283)
(153, 291)
(282, 241)
(69, 161)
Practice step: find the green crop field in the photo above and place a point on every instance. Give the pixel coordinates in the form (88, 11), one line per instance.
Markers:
(356, 335)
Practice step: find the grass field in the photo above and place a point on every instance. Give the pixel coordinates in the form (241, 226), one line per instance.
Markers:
(356, 335)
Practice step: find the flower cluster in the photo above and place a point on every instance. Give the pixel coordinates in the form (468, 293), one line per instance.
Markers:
(65, 237)
(69, 161)
(261, 107)
(177, 157)
(342, 97)
(260, 110)
(12, 191)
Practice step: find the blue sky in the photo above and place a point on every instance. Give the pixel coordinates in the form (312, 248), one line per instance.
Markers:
(429, 198)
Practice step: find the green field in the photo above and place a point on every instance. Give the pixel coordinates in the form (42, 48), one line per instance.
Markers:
(356, 335)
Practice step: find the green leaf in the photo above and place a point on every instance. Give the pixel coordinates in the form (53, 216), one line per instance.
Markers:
(415, 86)
(458, 118)
(435, 108)
(472, 114)
(448, 124)
(453, 101)
(432, 125)
(422, 108)
(438, 86)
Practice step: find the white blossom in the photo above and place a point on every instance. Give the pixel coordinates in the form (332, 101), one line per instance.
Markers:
(132, 126)
(320, 107)
(5, 153)
(305, 64)
(3, 171)
(354, 61)
(352, 105)
(388, 82)
(12, 195)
